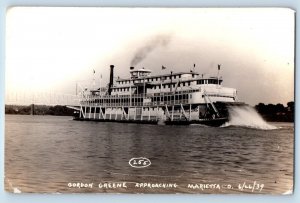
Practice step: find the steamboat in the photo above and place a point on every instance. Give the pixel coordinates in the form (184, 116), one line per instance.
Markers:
(181, 98)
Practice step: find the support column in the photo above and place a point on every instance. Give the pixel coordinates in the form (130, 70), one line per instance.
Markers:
(142, 114)
(190, 112)
(134, 118)
(116, 116)
(95, 112)
(128, 113)
(90, 111)
(110, 113)
(172, 117)
(80, 111)
(100, 112)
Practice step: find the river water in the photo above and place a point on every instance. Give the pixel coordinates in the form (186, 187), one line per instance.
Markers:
(57, 154)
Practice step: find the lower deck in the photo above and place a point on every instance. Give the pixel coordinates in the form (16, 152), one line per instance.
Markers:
(169, 114)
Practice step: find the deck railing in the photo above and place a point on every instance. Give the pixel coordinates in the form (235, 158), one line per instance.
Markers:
(154, 99)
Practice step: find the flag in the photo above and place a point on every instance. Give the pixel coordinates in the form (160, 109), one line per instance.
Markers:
(162, 67)
(131, 68)
(219, 66)
(101, 76)
(94, 71)
(194, 65)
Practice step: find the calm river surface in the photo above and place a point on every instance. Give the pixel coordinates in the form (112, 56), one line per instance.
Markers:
(53, 154)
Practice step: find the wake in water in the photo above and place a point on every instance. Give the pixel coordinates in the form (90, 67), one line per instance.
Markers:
(246, 116)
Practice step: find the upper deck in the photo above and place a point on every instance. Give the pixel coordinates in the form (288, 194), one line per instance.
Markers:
(142, 86)
(142, 81)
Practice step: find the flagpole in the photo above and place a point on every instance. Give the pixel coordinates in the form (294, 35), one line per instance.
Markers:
(76, 87)
(219, 66)
(94, 79)
(100, 84)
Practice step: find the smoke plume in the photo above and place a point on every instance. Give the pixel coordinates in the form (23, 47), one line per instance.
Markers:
(142, 53)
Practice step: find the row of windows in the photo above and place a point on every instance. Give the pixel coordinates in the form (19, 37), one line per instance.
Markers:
(209, 81)
(152, 79)
(126, 89)
(171, 97)
(139, 99)
(183, 84)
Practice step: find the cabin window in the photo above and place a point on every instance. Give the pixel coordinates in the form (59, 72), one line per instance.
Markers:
(189, 83)
(184, 84)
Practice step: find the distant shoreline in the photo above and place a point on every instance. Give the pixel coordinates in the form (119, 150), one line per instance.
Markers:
(57, 110)
(270, 112)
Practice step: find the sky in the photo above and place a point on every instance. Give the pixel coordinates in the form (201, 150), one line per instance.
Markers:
(52, 49)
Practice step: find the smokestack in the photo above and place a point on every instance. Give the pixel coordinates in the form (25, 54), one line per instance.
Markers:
(111, 79)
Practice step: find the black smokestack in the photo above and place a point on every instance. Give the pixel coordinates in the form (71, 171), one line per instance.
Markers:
(111, 79)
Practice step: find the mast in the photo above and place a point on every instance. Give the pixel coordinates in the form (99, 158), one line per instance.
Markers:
(219, 67)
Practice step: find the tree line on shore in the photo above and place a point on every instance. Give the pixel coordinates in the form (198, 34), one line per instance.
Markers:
(270, 112)
(276, 112)
(57, 110)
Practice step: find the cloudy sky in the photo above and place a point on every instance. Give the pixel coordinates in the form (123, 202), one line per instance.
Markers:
(52, 49)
